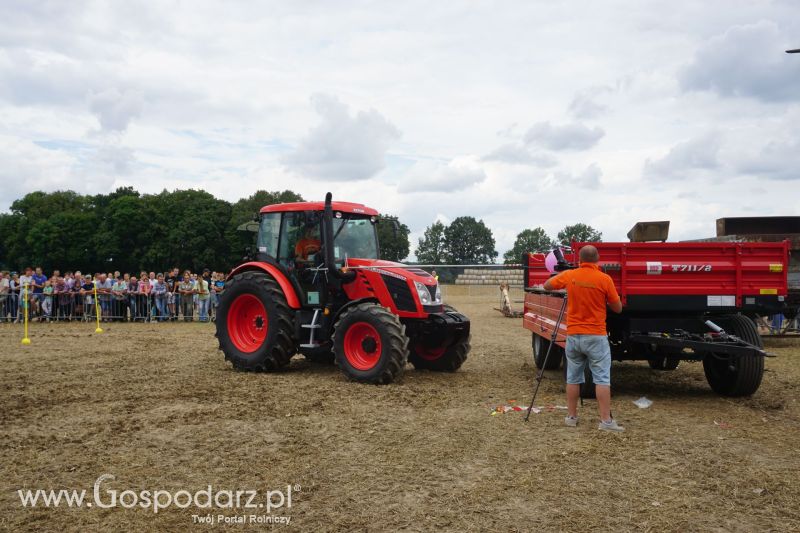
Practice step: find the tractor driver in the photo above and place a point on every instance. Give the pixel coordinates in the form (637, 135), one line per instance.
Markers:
(308, 245)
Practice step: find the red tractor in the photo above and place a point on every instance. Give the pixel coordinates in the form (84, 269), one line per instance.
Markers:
(315, 286)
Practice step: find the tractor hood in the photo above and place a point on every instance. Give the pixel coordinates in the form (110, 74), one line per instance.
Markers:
(390, 268)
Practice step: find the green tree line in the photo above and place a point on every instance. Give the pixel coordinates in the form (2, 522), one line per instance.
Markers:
(129, 231)
(537, 240)
(468, 241)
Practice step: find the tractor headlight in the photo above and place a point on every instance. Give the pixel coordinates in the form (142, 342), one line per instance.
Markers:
(423, 293)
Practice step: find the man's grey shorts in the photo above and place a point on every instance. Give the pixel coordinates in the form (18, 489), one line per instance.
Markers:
(592, 350)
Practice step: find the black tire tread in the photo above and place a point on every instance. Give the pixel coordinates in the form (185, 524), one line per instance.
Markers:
(450, 361)
(750, 368)
(554, 361)
(281, 351)
(398, 342)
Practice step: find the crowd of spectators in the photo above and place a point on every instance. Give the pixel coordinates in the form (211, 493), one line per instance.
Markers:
(150, 297)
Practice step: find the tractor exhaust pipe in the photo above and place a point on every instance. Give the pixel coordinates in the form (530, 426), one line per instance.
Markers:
(327, 228)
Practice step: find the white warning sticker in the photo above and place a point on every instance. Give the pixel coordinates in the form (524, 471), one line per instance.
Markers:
(722, 301)
(654, 267)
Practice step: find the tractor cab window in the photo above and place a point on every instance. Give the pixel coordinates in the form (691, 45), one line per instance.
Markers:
(354, 237)
(268, 233)
(300, 241)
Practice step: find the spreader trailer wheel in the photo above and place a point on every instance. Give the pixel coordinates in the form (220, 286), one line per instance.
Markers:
(539, 347)
(370, 344)
(736, 375)
(254, 323)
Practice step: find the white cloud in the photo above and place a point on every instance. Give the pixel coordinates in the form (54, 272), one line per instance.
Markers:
(685, 157)
(115, 159)
(115, 109)
(777, 159)
(585, 104)
(747, 61)
(573, 136)
(459, 174)
(518, 154)
(232, 115)
(589, 178)
(343, 147)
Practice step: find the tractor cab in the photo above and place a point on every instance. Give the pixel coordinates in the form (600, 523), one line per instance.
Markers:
(316, 285)
(291, 237)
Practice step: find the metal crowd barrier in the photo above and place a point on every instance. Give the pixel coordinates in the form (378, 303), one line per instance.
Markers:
(74, 306)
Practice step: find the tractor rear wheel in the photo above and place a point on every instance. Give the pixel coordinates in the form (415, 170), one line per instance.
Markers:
(370, 344)
(539, 345)
(254, 323)
(440, 359)
(736, 376)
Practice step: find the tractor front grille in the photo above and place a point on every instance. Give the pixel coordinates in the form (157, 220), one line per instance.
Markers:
(432, 291)
(401, 293)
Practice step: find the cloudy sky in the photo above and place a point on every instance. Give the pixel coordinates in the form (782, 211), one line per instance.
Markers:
(523, 114)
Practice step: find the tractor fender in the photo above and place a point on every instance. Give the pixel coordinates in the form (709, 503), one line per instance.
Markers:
(277, 275)
(350, 304)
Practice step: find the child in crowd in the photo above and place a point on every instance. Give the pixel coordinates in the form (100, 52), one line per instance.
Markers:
(46, 301)
(144, 297)
(87, 292)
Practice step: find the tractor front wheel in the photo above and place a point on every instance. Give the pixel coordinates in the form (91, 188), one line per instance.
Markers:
(370, 344)
(254, 323)
(442, 358)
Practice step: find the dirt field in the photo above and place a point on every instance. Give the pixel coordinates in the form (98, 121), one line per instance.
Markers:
(157, 407)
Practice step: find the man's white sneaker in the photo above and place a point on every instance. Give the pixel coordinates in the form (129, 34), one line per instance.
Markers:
(610, 426)
(571, 421)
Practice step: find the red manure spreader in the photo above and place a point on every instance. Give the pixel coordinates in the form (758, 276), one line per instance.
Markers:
(315, 286)
(682, 301)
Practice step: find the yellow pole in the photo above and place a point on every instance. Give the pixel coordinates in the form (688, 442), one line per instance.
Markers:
(97, 308)
(25, 339)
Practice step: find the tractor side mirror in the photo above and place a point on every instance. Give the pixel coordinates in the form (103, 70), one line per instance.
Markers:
(256, 217)
(248, 253)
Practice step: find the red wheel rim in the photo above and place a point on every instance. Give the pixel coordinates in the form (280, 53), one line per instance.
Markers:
(362, 346)
(430, 354)
(247, 323)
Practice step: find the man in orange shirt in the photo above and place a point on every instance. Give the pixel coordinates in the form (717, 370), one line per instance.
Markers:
(588, 292)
